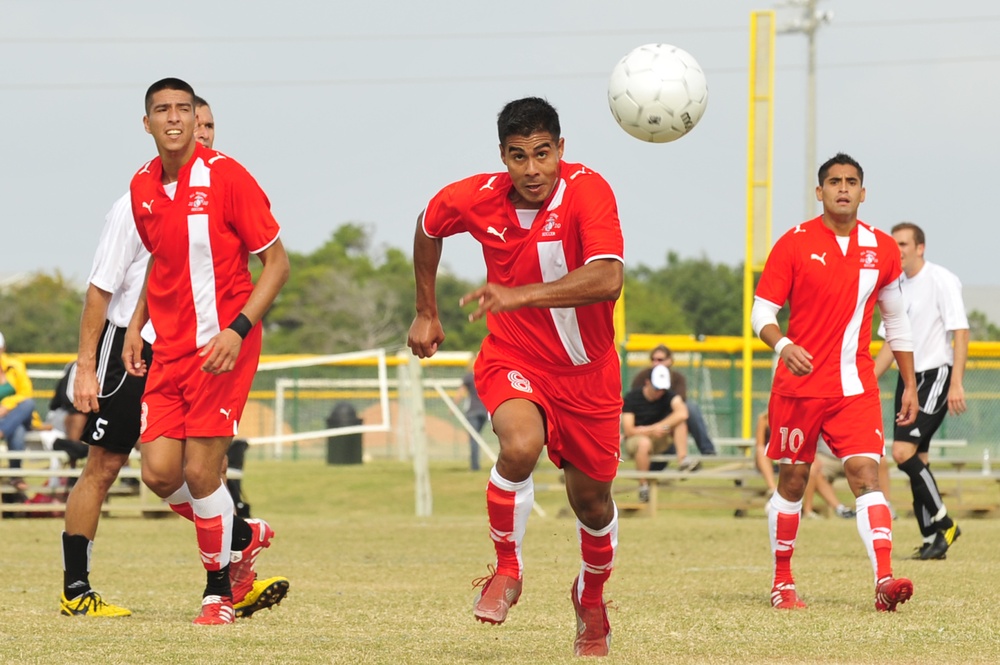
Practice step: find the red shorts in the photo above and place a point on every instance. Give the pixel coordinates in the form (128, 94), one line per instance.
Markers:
(849, 425)
(182, 401)
(582, 405)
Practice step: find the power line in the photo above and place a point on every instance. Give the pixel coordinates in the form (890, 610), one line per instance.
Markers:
(541, 34)
(479, 78)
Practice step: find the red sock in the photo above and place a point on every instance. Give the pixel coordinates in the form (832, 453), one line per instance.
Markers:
(213, 522)
(783, 527)
(180, 502)
(875, 528)
(598, 552)
(508, 505)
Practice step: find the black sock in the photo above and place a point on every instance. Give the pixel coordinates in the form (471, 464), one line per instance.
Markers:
(242, 534)
(76, 564)
(923, 520)
(218, 583)
(925, 490)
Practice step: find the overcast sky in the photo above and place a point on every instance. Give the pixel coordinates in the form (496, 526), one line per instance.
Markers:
(361, 111)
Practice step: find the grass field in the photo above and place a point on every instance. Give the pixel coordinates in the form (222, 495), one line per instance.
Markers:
(370, 583)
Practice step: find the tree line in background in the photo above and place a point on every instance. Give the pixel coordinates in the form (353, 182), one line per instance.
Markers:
(346, 295)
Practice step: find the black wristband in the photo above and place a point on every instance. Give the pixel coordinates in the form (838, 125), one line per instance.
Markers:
(241, 324)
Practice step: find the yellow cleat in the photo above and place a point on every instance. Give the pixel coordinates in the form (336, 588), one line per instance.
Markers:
(263, 595)
(92, 605)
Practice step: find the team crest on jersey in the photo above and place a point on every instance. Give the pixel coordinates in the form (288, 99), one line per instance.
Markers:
(518, 382)
(198, 201)
(869, 259)
(551, 225)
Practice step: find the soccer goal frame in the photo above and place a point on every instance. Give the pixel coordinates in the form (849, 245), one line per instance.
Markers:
(283, 385)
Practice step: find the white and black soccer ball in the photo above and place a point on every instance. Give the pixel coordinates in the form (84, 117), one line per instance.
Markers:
(658, 93)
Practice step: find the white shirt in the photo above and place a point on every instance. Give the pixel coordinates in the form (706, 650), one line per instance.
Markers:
(935, 308)
(120, 264)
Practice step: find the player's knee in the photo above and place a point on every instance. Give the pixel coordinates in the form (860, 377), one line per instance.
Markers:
(161, 484)
(900, 454)
(595, 510)
(520, 451)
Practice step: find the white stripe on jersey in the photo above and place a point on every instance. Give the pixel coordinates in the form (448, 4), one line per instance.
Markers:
(850, 380)
(201, 263)
(202, 269)
(552, 261)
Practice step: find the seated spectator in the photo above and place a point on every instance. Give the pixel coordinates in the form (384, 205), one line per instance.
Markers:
(824, 470)
(764, 463)
(16, 407)
(697, 427)
(654, 420)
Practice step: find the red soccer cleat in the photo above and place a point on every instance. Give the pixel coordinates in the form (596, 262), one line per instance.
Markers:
(241, 564)
(890, 592)
(784, 597)
(593, 631)
(498, 595)
(215, 611)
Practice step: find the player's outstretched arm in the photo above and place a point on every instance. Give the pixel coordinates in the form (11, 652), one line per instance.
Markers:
(95, 312)
(426, 333)
(597, 281)
(222, 350)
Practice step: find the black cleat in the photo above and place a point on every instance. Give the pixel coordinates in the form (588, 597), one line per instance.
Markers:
(936, 550)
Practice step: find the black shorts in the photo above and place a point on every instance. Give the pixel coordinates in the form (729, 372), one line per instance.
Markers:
(116, 426)
(932, 396)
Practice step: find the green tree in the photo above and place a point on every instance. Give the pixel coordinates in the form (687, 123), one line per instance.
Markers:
(686, 296)
(981, 329)
(41, 315)
(346, 295)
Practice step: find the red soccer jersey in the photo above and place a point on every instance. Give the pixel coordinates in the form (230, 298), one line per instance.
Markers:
(200, 242)
(831, 296)
(578, 224)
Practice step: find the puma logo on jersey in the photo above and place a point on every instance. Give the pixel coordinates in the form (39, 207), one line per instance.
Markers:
(489, 183)
(499, 234)
(821, 259)
(218, 156)
(798, 229)
(225, 412)
(582, 171)
(148, 206)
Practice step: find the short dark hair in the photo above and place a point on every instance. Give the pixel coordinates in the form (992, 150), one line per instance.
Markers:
(842, 159)
(167, 84)
(663, 348)
(523, 117)
(918, 233)
(201, 101)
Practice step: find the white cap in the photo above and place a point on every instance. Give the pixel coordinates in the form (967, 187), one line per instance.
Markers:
(660, 378)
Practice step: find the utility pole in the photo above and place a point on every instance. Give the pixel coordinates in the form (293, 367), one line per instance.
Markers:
(808, 22)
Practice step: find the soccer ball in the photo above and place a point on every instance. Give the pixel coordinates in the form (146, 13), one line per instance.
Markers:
(657, 93)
